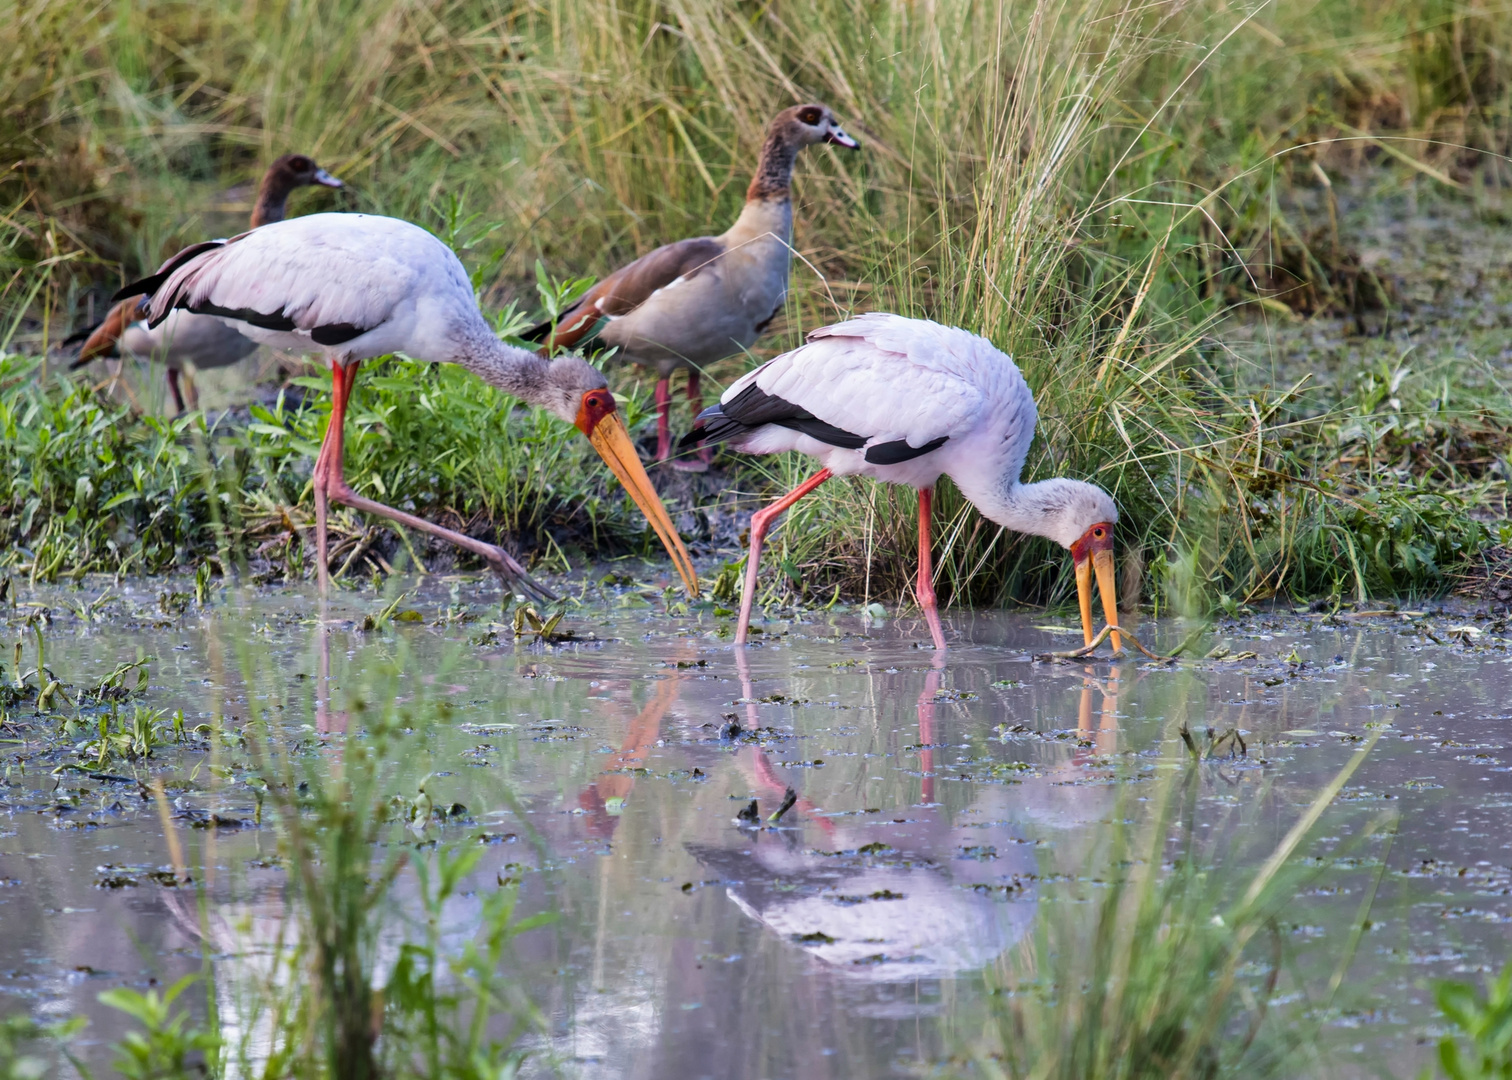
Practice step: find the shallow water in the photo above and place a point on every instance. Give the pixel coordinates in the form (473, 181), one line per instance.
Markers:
(945, 815)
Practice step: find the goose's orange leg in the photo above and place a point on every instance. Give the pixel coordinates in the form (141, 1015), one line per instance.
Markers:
(700, 461)
(663, 421)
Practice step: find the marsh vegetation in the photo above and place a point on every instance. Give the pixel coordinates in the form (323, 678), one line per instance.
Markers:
(1121, 197)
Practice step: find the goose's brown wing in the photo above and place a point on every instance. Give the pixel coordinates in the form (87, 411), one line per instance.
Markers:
(628, 288)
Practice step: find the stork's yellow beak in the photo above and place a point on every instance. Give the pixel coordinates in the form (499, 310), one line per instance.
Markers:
(1102, 566)
(1084, 597)
(1093, 554)
(612, 441)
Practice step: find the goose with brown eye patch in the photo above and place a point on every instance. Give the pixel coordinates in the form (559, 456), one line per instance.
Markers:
(908, 401)
(695, 301)
(186, 339)
(356, 286)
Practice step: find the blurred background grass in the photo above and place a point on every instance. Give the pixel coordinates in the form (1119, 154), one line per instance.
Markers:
(1105, 189)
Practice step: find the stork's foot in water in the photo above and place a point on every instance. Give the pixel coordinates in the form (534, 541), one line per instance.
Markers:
(513, 575)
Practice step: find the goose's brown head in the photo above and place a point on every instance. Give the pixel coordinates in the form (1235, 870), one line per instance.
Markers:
(813, 123)
(298, 170)
(283, 176)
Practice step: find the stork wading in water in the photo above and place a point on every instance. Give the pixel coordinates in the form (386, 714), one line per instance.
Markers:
(356, 286)
(199, 340)
(695, 301)
(908, 401)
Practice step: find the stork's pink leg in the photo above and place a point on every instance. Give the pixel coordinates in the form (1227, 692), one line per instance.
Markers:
(330, 449)
(330, 484)
(926, 734)
(663, 426)
(761, 521)
(925, 588)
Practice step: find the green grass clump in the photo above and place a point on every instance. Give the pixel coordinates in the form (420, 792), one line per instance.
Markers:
(1171, 973)
(86, 486)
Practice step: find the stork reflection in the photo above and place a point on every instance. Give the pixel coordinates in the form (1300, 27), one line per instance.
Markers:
(910, 892)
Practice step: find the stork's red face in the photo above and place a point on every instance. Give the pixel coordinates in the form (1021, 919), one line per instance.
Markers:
(596, 405)
(597, 419)
(1093, 552)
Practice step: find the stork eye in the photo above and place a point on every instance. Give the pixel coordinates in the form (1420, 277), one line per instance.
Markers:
(1098, 533)
(301, 164)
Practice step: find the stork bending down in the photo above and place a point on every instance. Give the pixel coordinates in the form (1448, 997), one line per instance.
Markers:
(908, 401)
(355, 286)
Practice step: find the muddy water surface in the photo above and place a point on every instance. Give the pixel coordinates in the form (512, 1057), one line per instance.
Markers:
(943, 812)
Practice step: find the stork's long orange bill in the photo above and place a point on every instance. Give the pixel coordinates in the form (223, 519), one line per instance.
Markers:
(613, 444)
(1093, 554)
(1102, 566)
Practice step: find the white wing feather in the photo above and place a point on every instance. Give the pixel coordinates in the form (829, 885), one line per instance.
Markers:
(320, 270)
(887, 378)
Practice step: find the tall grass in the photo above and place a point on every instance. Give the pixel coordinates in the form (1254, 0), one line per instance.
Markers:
(1089, 183)
(1171, 972)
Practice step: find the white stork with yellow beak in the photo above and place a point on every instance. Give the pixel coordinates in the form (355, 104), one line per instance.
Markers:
(356, 286)
(908, 401)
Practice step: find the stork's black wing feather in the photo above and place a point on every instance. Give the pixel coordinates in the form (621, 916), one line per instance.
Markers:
(898, 451)
(149, 285)
(752, 408)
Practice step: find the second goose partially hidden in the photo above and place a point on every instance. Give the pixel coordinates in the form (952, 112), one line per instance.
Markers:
(200, 340)
(690, 303)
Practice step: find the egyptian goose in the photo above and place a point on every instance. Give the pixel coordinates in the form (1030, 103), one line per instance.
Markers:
(690, 303)
(356, 286)
(184, 338)
(908, 401)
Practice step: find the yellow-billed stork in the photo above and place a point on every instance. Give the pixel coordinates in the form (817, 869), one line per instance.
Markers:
(908, 401)
(356, 286)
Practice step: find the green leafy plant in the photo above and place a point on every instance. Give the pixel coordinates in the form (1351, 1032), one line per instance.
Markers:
(1155, 979)
(1480, 1047)
(171, 1043)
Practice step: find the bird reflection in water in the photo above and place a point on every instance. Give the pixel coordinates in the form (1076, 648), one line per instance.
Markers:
(604, 799)
(914, 892)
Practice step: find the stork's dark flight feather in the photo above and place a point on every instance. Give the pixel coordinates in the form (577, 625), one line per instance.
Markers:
(269, 320)
(149, 285)
(752, 408)
(895, 453)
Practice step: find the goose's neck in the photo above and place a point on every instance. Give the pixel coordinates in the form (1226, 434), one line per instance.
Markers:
(272, 199)
(774, 171)
(763, 217)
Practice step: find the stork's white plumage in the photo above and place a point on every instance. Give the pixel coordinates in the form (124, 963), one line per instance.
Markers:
(908, 401)
(356, 286)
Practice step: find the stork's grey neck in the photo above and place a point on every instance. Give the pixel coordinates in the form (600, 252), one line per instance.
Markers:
(1038, 509)
(518, 372)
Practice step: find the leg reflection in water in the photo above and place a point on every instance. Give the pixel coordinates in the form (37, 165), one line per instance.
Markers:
(910, 892)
